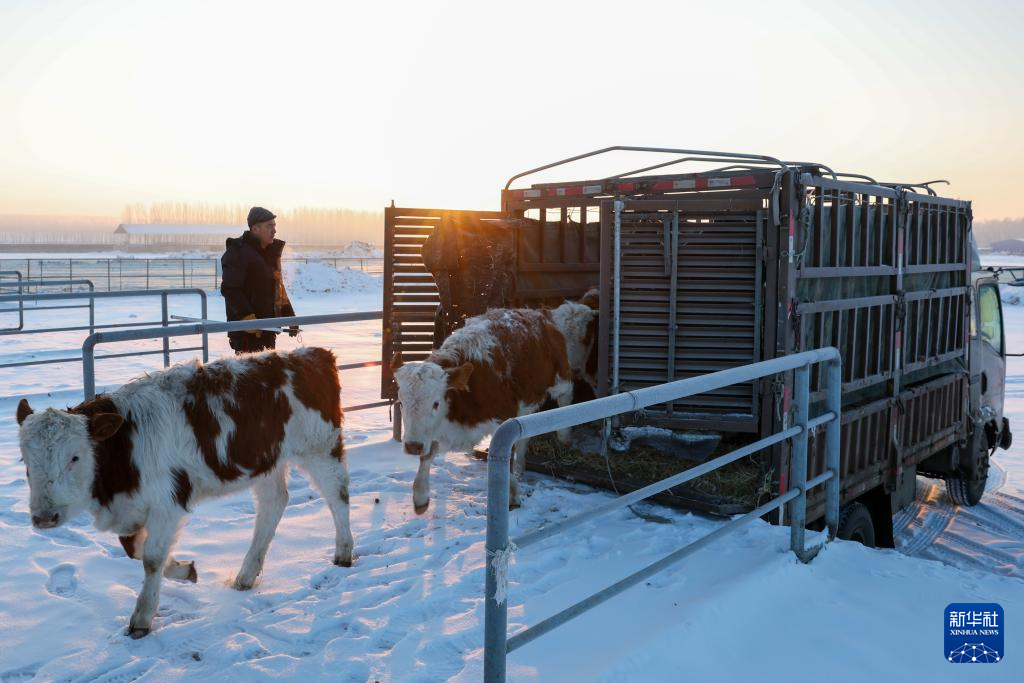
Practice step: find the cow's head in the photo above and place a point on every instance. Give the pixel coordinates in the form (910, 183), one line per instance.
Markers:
(422, 390)
(578, 324)
(58, 449)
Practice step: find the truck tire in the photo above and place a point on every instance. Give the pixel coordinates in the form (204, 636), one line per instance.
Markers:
(966, 492)
(968, 486)
(855, 524)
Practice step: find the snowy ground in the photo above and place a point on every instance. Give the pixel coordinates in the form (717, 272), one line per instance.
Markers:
(411, 607)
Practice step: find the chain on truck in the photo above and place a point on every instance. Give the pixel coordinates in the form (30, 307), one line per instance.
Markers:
(754, 259)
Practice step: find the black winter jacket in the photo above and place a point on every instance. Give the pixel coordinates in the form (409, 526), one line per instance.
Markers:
(252, 284)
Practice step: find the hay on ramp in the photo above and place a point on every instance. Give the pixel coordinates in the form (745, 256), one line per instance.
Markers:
(738, 486)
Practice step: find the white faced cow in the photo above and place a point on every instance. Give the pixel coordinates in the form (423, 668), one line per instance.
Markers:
(502, 364)
(141, 457)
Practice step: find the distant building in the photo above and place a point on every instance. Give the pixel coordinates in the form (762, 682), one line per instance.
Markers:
(178, 235)
(1014, 246)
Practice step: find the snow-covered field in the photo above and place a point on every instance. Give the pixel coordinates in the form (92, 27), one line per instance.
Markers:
(411, 607)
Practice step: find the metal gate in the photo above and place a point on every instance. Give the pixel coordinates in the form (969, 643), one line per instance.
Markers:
(410, 294)
(689, 302)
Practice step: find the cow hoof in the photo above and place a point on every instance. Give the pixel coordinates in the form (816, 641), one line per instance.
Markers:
(342, 563)
(136, 633)
(181, 571)
(420, 509)
(241, 585)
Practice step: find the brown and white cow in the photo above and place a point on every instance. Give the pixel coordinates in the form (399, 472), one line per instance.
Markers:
(140, 458)
(502, 364)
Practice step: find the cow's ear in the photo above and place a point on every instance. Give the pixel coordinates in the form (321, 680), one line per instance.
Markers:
(458, 378)
(24, 410)
(592, 299)
(102, 426)
(396, 361)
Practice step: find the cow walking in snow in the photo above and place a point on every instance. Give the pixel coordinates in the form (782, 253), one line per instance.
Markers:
(141, 457)
(502, 364)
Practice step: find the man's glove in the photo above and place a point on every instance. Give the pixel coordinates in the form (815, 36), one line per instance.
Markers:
(293, 331)
(254, 332)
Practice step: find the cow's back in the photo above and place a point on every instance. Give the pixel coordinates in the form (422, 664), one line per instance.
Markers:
(234, 416)
(526, 358)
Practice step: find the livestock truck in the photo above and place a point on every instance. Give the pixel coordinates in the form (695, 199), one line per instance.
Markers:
(753, 259)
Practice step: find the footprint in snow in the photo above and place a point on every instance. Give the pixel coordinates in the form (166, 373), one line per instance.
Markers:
(66, 537)
(62, 581)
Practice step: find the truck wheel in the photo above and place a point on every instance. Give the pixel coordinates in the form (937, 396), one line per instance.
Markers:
(855, 524)
(968, 488)
(966, 492)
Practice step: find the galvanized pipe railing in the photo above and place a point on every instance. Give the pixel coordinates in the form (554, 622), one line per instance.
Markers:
(718, 156)
(497, 645)
(92, 295)
(205, 327)
(21, 304)
(23, 286)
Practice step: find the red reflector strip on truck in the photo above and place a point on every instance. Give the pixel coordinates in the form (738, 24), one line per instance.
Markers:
(568, 191)
(660, 186)
(703, 183)
(571, 191)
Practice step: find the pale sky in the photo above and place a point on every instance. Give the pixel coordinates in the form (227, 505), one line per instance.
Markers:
(436, 104)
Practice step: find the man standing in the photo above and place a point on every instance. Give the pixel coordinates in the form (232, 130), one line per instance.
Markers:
(252, 284)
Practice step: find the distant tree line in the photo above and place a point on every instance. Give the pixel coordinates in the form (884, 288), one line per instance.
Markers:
(303, 225)
(987, 232)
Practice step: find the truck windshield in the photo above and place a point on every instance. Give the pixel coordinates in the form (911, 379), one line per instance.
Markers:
(990, 321)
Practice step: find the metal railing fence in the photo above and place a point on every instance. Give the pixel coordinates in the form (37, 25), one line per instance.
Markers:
(497, 645)
(18, 277)
(165, 320)
(205, 327)
(112, 274)
(23, 286)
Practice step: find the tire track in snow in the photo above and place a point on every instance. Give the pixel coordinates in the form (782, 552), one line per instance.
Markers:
(930, 523)
(929, 515)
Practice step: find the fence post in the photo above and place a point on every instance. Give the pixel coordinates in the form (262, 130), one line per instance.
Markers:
(92, 309)
(183, 273)
(498, 554)
(147, 273)
(164, 321)
(89, 367)
(798, 462)
(216, 273)
(21, 305)
(205, 315)
(396, 421)
(834, 401)
(108, 275)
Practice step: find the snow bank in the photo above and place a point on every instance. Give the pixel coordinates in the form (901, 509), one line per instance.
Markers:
(360, 249)
(319, 276)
